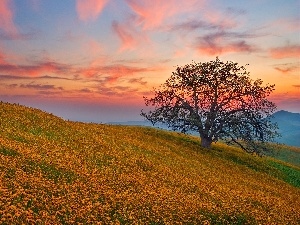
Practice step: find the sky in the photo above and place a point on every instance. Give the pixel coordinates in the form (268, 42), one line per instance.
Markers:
(94, 60)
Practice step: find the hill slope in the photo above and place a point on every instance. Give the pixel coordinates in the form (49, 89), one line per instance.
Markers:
(55, 171)
(289, 127)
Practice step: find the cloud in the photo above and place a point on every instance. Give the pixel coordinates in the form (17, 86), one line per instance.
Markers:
(89, 9)
(137, 80)
(17, 77)
(40, 86)
(85, 90)
(151, 14)
(289, 51)
(222, 42)
(19, 36)
(128, 39)
(286, 24)
(6, 18)
(2, 58)
(296, 85)
(113, 73)
(117, 71)
(118, 91)
(217, 49)
(33, 70)
(192, 25)
(287, 67)
(94, 48)
(287, 101)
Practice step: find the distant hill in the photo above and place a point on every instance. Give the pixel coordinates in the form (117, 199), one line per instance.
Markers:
(288, 123)
(54, 171)
(289, 127)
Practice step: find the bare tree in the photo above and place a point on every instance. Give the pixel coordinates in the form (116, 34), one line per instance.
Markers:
(219, 101)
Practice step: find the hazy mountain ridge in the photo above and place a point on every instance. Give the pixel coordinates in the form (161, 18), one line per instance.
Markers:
(289, 127)
(61, 172)
(288, 123)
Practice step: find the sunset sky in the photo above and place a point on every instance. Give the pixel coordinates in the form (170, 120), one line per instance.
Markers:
(94, 60)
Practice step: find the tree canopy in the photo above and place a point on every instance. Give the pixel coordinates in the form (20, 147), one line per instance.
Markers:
(218, 100)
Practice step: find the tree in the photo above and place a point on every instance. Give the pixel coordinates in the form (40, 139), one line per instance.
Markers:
(219, 101)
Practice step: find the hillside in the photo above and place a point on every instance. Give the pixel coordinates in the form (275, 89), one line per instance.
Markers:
(289, 127)
(61, 172)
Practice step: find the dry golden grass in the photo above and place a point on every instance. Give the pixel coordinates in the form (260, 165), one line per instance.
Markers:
(59, 172)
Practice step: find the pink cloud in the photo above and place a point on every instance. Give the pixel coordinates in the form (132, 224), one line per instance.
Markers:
(6, 18)
(93, 47)
(112, 73)
(290, 51)
(287, 24)
(2, 58)
(152, 13)
(32, 70)
(126, 35)
(89, 9)
(218, 19)
(287, 101)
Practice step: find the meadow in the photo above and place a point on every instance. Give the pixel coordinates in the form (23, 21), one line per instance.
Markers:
(54, 171)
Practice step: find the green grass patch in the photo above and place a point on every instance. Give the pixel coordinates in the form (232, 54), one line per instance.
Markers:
(289, 174)
(8, 152)
(285, 153)
(220, 219)
(10, 173)
(49, 171)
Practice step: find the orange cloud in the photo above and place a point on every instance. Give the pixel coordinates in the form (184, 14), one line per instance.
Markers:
(6, 18)
(112, 73)
(89, 9)
(290, 51)
(152, 13)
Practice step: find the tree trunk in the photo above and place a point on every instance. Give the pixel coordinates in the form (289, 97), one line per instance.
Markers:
(205, 142)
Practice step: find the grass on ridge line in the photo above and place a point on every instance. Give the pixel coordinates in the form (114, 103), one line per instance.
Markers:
(61, 172)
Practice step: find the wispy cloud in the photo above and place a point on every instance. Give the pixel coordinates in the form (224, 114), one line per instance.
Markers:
(193, 25)
(118, 91)
(85, 90)
(137, 80)
(287, 67)
(222, 42)
(286, 24)
(127, 36)
(225, 19)
(287, 101)
(151, 14)
(46, 77)
(89, 9)
(41, 86)
(36, 69)
(33, 34)
(6, 18)
(112, 73)
(288, 51)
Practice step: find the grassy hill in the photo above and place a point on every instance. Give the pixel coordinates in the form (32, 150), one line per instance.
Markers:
(60, 172)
